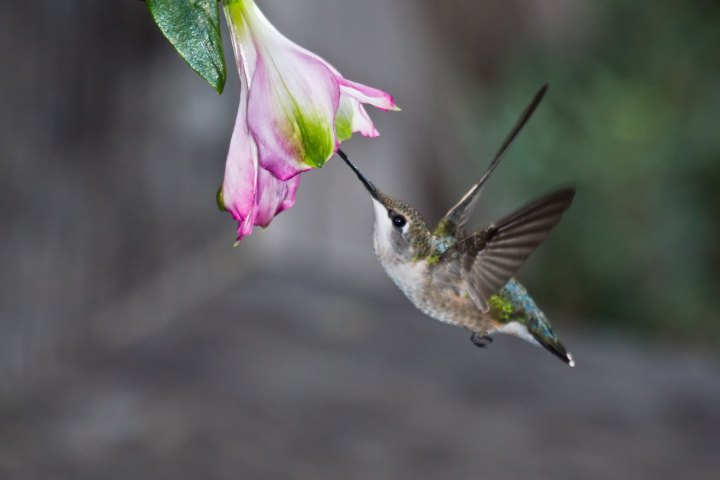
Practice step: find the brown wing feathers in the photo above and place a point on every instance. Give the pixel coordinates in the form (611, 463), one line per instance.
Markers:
(490, 257)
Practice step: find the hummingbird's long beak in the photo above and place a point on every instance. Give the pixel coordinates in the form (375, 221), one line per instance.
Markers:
(370, 187)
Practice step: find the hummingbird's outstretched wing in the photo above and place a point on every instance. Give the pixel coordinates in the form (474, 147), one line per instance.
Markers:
(488, 259)
(454, 220)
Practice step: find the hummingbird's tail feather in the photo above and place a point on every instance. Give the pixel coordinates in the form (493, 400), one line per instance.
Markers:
(516, 311)
(553, 345)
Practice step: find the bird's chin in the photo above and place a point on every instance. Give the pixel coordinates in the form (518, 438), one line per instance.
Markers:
(380, 210)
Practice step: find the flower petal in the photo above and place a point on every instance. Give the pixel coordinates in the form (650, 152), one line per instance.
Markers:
(252, 194)
(242, 42)
(241, 172)
(291, 111)
(352, 117)
(362, 122)
(295, 109)
(365, 94)
(344, 119)
(273, 196)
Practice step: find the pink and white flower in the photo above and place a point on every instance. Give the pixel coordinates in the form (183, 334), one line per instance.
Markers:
(295, 110)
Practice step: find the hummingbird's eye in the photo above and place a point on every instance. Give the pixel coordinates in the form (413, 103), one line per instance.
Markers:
(398, 221)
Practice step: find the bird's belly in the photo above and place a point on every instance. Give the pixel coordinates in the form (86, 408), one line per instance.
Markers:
(451, 306)
(440, 302)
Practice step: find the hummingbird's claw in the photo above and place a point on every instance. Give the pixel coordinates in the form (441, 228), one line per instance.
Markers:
(481, 340)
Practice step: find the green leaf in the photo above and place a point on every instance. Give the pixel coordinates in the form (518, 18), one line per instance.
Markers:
(193, 28)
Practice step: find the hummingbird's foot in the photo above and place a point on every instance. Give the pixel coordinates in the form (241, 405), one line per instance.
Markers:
(481, 340)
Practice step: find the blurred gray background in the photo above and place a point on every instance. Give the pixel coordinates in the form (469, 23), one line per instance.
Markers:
(137, 343)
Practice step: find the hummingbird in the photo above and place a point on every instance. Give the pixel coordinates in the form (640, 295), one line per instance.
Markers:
(467, 280)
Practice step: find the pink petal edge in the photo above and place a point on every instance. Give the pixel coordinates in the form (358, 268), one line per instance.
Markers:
(365, 94)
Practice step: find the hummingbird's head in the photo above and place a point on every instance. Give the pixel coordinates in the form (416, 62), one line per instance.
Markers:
(400, 230)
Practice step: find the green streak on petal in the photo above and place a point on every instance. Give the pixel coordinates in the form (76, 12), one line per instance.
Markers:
(316, 137)
(234, 11)
(343, 121)
(237, 6)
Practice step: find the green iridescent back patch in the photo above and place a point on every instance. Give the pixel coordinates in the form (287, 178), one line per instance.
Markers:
(501, 308)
